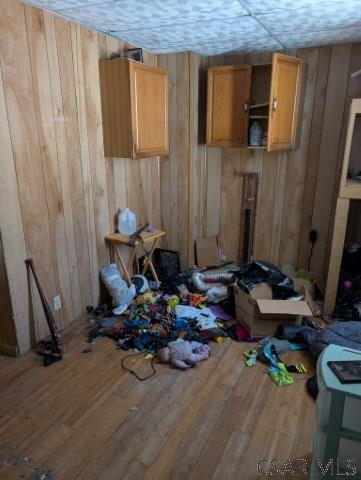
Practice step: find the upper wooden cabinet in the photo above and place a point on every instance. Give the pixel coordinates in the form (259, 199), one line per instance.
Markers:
(227, 114)
(284, 102)
(266, 93)
(134, 108)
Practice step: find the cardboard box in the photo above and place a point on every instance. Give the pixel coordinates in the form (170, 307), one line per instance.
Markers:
(207, 252)
(261, 315)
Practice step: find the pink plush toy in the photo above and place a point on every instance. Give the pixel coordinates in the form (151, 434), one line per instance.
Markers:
(184, 354)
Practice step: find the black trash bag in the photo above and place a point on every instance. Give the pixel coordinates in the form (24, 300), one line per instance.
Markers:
(255, 272)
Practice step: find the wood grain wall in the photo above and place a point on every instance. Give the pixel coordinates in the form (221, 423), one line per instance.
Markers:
(183, 171)
(297, 188)
(8, 342)
(58, 194)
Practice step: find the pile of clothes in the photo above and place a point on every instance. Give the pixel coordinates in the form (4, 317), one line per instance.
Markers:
(184, 323)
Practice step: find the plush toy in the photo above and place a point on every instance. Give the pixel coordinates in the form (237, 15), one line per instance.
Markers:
(183, 354)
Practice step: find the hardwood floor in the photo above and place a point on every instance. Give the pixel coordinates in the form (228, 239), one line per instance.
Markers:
(85, 418)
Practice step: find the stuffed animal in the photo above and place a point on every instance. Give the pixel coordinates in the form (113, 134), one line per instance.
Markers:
(183, 354)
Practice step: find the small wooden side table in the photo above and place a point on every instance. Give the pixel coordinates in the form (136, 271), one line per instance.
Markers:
(116, 240)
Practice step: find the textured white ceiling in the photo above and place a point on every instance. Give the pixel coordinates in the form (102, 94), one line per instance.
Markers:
(212, 27)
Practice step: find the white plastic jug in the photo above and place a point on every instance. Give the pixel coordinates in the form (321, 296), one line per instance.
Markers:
(255, 134)
(127, 222)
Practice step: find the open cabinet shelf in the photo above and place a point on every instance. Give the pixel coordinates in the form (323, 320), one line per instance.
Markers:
(239, 95)
(260, 105)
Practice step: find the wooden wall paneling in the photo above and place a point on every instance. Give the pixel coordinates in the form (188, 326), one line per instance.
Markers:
(8, 340)
(164, 61)
(19, 93)
(266, 200)
(214, 166)
(67, 193)
(49, 157)
(297, 163)
(277, 216)
(198, 165)
(182, 156)
(258, 167)
(150, 188)
(313, 154)
(176, 210)
(331, 134)
(62, 155)
(213, 196)
(116, 166)
(111, 46)
(135, 198)
(122, 183)
(92, 44)
(234, 162)
(12, 231)
(87, 187)
(230, 211)
(72, 171)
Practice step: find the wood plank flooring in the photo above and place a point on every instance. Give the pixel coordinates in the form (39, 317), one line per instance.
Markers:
(85, 418)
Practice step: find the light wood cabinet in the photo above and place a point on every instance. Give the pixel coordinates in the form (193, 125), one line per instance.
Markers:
(134, 108)
(266, 93)
(227, 115)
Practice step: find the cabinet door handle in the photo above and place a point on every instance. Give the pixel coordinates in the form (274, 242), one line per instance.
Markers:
(274, 104)
(246, 107)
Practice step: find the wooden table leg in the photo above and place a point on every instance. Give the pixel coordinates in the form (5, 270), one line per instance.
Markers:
(132, 256)
(148, 263)
(124, 267)
(111, 252)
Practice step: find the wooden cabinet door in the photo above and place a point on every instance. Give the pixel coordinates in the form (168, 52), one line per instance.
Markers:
(227, 108)
(284, 102)
(149, 99)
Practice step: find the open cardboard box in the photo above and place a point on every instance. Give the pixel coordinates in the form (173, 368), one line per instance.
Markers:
(261, 315)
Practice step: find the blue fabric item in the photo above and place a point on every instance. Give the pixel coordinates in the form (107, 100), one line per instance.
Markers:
(271, 357)
(345, 334)
(297, 346)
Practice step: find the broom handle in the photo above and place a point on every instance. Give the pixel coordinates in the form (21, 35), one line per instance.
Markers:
(54, 331)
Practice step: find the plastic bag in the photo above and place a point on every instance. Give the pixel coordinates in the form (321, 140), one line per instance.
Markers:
(118, 289)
